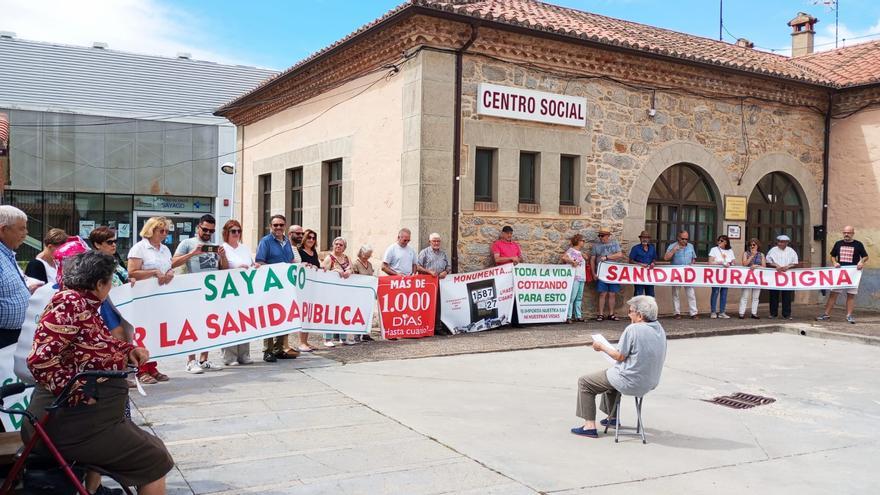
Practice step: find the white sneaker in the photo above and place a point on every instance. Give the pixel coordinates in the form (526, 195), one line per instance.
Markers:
(349, 342)
(713, 315)
(209, 366)
(194, 368)
(329, 343)
(234, 363)
(723, 316)
(245, 360)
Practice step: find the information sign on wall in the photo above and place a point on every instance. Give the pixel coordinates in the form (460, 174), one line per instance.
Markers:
(527, 104)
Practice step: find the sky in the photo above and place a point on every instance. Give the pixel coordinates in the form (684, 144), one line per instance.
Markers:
(278, 33)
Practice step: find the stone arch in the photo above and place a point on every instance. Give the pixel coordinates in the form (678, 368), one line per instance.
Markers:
(801, 177)
(660, 160)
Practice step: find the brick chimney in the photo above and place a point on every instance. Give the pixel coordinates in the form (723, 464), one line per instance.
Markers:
(802, 34)
(744, 43)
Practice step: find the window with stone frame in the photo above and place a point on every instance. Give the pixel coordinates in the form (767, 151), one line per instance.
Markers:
(682, 199)
(295, 198)
(568, 180)
(484, 175)
(775, 208)
(528, 178)
(265, 201)
(334, 202)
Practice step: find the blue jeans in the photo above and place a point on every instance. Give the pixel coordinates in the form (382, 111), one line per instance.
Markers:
(644, 290)
(721, 294)
(577, 299)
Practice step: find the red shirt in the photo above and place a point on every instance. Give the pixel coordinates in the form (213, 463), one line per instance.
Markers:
(506, 249)
(71, 337)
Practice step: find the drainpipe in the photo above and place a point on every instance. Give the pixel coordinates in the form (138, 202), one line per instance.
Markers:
(825, 166)
(456, 144)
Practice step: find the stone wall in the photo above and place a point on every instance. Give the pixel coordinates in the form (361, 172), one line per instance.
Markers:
(621, 138)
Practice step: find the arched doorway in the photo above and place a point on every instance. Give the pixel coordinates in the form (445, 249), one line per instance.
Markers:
(682, 198)
(776, 207)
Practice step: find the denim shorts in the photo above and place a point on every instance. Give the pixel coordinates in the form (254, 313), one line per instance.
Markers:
(606, 287)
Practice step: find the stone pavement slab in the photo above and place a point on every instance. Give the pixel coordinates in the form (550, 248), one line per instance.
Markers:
(270, 428)
(512, 411)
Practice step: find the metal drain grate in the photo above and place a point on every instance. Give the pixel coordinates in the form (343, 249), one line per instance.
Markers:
(741, 400)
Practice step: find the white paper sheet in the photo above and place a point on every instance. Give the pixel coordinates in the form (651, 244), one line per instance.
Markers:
(597, 337)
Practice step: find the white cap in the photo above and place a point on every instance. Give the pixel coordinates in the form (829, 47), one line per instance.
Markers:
(783, 237)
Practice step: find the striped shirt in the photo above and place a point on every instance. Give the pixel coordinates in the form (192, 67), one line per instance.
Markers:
(14, 294)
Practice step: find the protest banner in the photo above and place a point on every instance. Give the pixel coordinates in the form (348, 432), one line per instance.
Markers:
(407, 306)
(36, 305)
(543, 292)
(476, 301)
(12, 422)
(847, 277)
(206, 310)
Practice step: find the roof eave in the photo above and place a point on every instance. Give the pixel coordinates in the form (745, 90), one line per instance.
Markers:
(598, 43)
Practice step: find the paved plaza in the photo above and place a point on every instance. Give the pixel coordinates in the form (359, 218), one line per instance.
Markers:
(498, 422)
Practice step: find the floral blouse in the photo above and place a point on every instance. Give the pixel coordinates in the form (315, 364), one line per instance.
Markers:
(71, 337)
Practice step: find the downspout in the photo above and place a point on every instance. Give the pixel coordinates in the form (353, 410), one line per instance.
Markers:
(240, 172)
(826, 153)
(456, 144)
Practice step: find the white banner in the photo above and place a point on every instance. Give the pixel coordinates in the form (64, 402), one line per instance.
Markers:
(735, 276)
(527, 104)
(476, 301)
(36, 304)
(18, 401)
(201, 311)
(543, 292)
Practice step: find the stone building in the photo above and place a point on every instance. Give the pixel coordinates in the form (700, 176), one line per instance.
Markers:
(463, 116)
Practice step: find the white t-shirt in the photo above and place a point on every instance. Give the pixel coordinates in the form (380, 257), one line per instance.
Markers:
(782, 258)
(400, 259)
(722, 256)
(153, 259)
(239, 257)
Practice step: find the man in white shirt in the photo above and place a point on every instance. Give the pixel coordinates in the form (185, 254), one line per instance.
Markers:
(400, 259)
(782, 258)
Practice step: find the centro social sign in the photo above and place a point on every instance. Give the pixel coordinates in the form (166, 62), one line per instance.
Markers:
(526, 104)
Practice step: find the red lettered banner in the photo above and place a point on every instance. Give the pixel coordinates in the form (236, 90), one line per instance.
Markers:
(407, 306)
(847, 277)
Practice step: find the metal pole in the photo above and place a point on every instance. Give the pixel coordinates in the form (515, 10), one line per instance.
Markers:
(720, 19)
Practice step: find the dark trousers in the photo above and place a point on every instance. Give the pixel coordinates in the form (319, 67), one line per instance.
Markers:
(9, 336)
(787, 296)
(644, 290)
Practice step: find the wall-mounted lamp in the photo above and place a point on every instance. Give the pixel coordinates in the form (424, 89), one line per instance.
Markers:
(228, 168)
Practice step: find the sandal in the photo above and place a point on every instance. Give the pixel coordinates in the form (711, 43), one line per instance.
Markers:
(600, 317)
(147, 379)
(160, 377)
(613, 318)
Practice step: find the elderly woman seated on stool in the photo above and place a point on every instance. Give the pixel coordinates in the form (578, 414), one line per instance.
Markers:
(640, 354)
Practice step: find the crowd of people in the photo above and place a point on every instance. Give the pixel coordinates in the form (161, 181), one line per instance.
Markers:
(81, 330)
(781, 257)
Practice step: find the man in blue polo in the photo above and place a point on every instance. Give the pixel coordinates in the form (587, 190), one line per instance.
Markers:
(682, 253)
(643, 254)
(14, 291)
(276, 248)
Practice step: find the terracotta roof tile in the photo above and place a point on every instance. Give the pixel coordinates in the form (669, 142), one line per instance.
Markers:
(845, 67)
(607, 30)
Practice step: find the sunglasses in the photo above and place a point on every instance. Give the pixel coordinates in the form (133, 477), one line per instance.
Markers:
(684, 238)
(162, 230)
(210, 231)
(277, 225)
(110, 241)
(235, 231)
(311, 237)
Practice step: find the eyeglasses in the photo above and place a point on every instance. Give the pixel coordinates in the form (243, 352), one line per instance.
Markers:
(110, 241)
(235, 231)
(755, 245)
(604, 235)
(683, 238)
(311, 237)
(277, 225)
(162, 231)
(210, 231)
